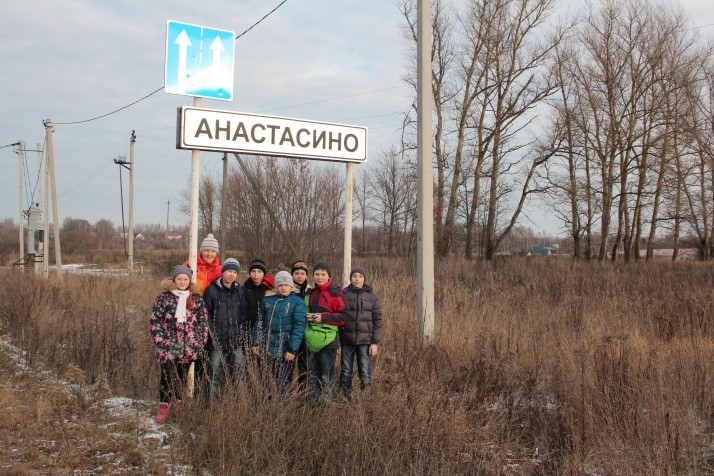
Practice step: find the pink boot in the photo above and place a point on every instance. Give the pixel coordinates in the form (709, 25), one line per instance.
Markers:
(163, 413)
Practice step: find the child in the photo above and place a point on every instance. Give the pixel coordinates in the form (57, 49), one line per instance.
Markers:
(179, 329)
(208, 263)
(325, 306)
(299, 270)
(257, 284)
(227, 316)
(279, 330)
(362, 331)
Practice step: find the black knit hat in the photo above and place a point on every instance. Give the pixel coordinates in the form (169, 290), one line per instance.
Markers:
(258, 264)
(322, 265)
(360, 270)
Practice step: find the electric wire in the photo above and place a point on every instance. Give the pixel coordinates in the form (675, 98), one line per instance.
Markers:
(159, 89)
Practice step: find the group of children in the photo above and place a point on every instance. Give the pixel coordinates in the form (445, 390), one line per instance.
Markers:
(281, 322)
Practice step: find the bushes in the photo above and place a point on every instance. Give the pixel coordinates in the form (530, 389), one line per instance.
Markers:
(539, 367)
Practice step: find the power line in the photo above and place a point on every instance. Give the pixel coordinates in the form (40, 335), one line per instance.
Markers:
(334, 99)
(264, 17)
(159, 89)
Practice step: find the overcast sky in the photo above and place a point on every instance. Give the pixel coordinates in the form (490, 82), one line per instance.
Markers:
(324, 60)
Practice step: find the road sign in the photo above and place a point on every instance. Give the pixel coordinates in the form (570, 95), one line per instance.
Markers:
(227, 131)
(199, 61)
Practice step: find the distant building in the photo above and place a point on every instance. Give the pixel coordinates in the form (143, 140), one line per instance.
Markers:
(540, 250)
(172, 235)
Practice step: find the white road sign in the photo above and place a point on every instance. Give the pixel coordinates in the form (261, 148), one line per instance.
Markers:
(227, 131)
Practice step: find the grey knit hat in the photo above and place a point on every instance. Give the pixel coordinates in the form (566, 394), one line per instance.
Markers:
(322, 265)
(360, 270)
(231, 263)
(180, 269)
(283, 277)
(209, 243)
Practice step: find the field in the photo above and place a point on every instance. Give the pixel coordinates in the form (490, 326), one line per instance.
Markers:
(539, 366)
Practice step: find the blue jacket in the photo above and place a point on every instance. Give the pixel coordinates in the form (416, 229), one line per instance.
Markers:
(280, 325)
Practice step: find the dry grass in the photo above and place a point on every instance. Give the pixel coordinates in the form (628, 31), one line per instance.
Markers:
(539, 367)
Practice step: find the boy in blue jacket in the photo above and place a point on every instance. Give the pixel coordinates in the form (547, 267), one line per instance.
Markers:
(279, 330)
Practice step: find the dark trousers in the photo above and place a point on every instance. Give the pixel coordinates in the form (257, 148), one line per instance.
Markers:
(275, 372)
(350, 352)
(173, 381)
(321, 369)
(302, 370)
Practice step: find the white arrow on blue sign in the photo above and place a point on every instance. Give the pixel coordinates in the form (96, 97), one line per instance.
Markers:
(199, 61)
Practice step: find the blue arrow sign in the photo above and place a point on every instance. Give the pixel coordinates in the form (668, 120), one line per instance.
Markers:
(199, 61)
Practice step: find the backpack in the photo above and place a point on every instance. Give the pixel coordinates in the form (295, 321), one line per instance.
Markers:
(318, 335)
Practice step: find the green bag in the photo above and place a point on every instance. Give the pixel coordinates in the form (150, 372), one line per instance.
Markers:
(318, 335)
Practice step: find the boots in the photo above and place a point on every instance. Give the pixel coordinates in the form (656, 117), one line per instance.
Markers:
(163, 413)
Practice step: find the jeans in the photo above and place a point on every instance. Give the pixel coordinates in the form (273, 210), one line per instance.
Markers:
(276, 371)
(321, 371)
(235, 361)
(349, 353)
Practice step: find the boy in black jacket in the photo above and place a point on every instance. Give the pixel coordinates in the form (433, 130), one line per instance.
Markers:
(227, 318)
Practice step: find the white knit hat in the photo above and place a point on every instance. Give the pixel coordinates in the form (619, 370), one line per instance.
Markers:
(209, 243)
(283, 277)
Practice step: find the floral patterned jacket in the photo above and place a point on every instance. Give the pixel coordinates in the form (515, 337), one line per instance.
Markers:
(177, 342)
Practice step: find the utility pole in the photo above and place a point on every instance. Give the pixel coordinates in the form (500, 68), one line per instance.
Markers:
(132, 141)
(21, 162)
(121, 162)
(46, 224)
(168, 207)
(224, 206)
(53, 184)
(425, 197)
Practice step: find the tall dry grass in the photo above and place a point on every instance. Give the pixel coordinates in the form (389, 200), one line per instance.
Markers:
(538, 367)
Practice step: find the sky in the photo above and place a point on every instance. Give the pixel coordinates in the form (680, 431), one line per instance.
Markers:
(324, 60)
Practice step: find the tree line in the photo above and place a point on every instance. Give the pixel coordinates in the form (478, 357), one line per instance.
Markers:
(604, 120)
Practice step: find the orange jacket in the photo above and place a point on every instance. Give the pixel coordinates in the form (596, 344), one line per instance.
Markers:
(207, 272)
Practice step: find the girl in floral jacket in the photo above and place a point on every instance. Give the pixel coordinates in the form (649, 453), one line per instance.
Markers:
(178, 324)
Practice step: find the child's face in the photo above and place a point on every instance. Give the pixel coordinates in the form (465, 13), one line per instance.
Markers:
(299, 276)
(182, 282)
(229, 276)
(357, 280)
(208, 255)
(256, 275)
(284, 289)
(320, 276)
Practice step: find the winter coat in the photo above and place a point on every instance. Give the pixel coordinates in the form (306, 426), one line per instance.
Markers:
(207, 272)
(177, 342)
(227, 315)
(281, 324)
(327, 300)
(362, 315)
(254, 294)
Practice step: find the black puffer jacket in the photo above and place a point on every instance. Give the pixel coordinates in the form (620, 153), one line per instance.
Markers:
(362, 315)
(227, 315)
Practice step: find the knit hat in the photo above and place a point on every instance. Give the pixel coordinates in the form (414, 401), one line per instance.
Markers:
(231, 263)
(209, 243)
(258, 264)
(180, 269)
(322, 265)
(283, 277)
(360, 270)
(298, 265)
